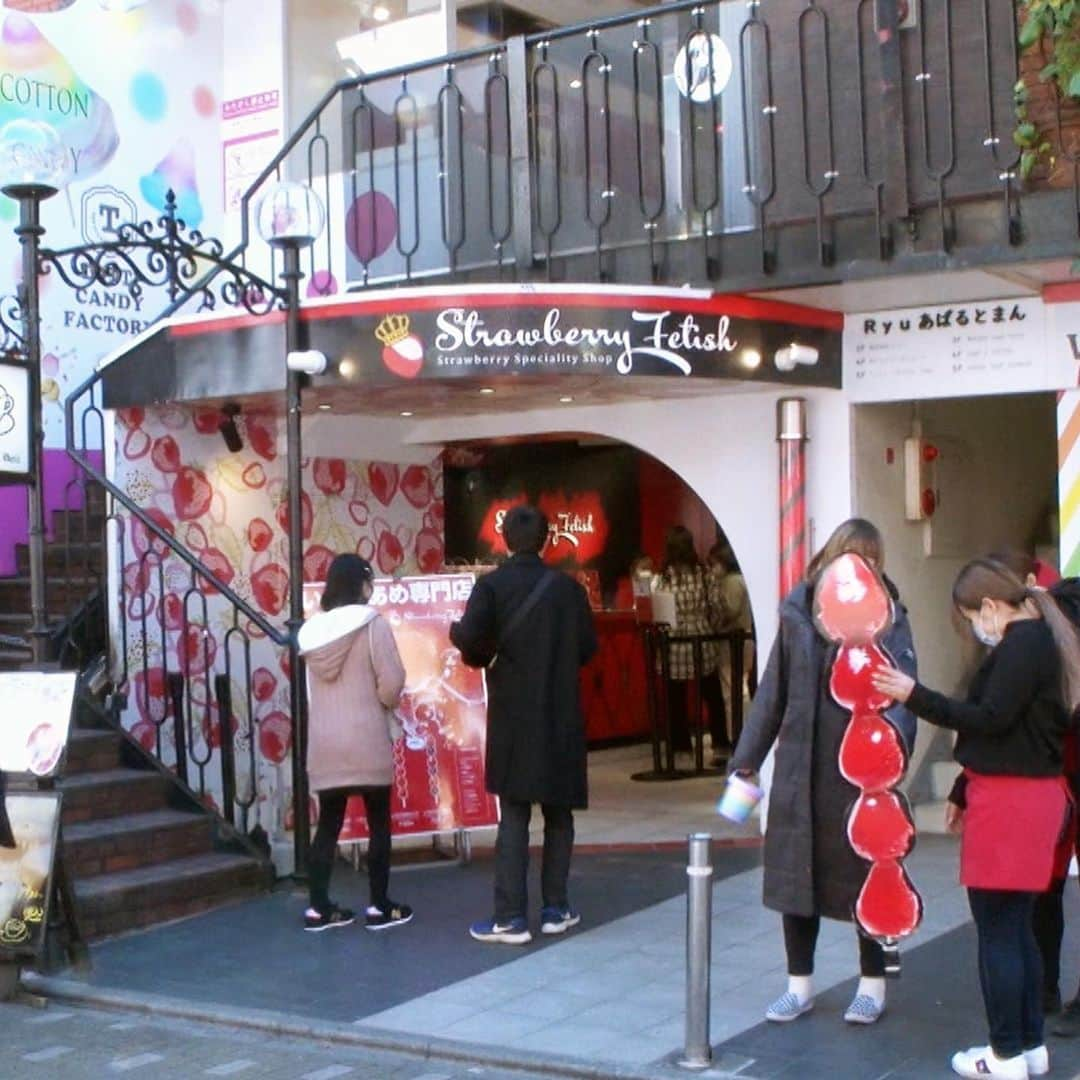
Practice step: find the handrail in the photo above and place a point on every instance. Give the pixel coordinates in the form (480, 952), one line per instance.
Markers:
(276, 635)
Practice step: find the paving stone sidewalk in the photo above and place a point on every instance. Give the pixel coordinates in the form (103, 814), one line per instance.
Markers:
(606, 1000)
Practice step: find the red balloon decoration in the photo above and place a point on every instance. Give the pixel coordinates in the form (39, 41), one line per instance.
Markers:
(853, 608)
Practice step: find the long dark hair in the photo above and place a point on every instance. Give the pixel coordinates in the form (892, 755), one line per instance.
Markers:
(988, 579)
(347, 582)
(855, 536)
(679, 550)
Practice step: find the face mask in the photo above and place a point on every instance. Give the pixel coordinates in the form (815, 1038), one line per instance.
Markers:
(987, 638)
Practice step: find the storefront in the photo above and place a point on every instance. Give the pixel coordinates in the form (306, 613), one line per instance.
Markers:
(621, 412)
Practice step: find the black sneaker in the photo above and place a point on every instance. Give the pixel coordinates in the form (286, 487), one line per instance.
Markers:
(327, 920)
(393, 914)
(1067, 1024)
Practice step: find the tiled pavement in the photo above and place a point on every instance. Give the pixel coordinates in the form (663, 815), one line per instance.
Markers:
(606, 1000)
(84, 1044)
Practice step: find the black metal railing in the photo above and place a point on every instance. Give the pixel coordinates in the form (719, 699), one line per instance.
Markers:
(709, 141)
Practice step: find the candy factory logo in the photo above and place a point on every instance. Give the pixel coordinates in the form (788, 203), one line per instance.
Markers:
(663, 338)
(403, 352)
(104, 210)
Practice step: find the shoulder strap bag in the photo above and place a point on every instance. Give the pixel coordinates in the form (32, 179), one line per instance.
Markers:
(546, 578)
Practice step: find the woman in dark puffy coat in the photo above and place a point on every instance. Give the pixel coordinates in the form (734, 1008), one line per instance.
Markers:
(810, 869)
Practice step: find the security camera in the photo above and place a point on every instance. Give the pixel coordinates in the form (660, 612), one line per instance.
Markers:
(789, 358)
(308, 362)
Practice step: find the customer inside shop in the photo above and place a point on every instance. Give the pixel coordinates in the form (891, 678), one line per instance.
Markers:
(649, 553)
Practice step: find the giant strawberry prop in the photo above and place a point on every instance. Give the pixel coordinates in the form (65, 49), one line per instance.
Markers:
(853, 609)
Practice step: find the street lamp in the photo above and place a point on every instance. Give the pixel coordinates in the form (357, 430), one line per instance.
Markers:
(290, 217)
(33, 166)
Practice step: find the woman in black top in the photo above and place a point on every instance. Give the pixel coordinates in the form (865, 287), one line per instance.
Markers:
(1011, 802)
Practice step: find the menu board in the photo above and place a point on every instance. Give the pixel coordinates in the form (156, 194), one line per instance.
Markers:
(438, 781)
(37, 716)
(962, 350)
(25, 871)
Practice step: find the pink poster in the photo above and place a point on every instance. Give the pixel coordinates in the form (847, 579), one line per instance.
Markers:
(439, 761)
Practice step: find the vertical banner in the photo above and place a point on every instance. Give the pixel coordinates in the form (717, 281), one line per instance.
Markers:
(438, 781)
(1068, 426)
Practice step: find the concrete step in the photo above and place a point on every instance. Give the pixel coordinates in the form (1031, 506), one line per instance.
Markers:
(930, 818)
(112, 903)
(109, 793)
(78, 556)
(943, 775)
(92, 750)
(131, 841)
(61, 595)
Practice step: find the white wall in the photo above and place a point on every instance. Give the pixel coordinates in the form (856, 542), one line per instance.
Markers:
(998, 477)
(724, 447)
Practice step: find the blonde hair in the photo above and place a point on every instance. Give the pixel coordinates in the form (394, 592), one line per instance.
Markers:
(855, 536)
(989, 579)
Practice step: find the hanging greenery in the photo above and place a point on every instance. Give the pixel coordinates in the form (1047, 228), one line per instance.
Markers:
(1053, 26)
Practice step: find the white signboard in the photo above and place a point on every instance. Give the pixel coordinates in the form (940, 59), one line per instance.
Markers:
(957, 350)
(14, 419)
(36, 718)
(1063, 339)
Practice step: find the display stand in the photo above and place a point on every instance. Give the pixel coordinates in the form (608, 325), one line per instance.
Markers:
(38, 921)
(657, 640)
(459, 851)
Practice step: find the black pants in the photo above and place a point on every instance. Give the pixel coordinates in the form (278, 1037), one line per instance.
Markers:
(1049, 926)
(800, 940)
(1010, 969)
(331, 817)
(512, 858)
(712, 690)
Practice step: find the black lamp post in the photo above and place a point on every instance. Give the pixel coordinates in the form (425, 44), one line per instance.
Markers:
(290, 217)
(33, 162)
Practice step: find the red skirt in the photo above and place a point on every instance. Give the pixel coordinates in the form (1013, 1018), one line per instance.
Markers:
(1012, 827)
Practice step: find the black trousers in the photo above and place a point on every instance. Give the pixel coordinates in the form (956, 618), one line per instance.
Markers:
(1010, 968)
(512, 858)
(1049, 925)
(800, 940)
(712, 690)
(331, 817)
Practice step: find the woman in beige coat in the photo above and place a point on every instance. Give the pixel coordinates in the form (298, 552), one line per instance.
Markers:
(355, 678)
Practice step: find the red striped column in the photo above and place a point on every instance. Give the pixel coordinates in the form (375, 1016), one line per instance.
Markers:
(792, 437)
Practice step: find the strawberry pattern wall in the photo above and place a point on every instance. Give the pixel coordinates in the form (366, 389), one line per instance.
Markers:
(231, 510)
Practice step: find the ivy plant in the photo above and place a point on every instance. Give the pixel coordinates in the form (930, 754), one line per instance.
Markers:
(1054, 27)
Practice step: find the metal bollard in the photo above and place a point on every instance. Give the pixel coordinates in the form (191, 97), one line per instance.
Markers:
(697, 1051)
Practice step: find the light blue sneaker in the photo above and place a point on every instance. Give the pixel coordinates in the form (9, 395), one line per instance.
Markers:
(556, 920)
(787, 1007)
(513, 932)
(864, 1010)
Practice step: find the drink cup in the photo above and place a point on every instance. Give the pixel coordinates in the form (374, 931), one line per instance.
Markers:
(739, 799)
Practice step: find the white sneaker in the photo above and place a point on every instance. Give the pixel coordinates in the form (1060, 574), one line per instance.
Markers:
(1038, 1061)
(981, 1062)
(864, 1010)
(787, 1007)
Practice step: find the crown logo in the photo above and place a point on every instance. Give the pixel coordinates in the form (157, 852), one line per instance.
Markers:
(392, 329)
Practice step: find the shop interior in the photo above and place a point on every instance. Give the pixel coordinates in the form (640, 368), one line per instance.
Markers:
(981, 475)
(611, 507)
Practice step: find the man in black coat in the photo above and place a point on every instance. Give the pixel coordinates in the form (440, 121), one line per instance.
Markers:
(532, 628)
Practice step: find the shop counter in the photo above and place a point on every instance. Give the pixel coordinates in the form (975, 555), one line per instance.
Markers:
(613, 686)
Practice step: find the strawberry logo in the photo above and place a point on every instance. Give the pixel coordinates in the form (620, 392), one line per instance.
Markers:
(270, 587)
(259, 534)
(403, 352)
(165, 454)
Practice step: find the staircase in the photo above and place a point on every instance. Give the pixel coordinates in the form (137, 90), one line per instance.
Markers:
(139, 847)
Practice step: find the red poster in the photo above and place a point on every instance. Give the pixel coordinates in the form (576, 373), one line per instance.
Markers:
(439, 763)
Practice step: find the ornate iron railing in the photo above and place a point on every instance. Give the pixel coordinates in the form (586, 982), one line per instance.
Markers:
(718, 142)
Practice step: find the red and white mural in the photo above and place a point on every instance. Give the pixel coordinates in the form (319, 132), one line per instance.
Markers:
(231, 510)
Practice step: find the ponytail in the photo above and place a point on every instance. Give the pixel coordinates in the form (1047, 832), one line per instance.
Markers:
(1068, 645)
